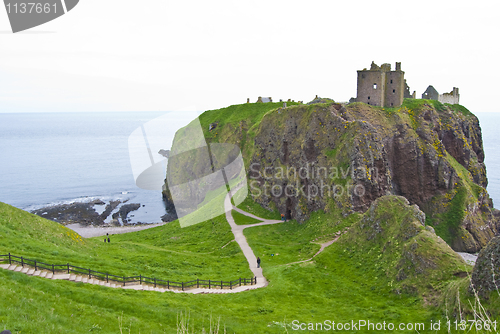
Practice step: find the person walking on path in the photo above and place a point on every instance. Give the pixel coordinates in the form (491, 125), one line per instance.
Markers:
(282, 217)
(258, 262)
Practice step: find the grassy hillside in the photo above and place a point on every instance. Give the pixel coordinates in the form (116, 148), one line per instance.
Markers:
(336, 285)
(241, 219)
(387, 266)
(165, 252)
(392, 237)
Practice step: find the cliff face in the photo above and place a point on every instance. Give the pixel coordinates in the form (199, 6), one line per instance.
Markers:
(327, 156)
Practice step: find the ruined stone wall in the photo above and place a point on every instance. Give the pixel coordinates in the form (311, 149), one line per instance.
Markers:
(394, 88)
(371, 87)
(452, 97)
(430, 93)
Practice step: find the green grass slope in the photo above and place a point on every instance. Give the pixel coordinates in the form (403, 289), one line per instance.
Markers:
(241, 219)
(354, 278)
(399, 250)
(165, 252)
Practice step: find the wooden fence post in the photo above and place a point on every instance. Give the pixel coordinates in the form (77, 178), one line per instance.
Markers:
(198, 283)
(107, 277)
(240, 281)
(10, 260)
(168, 284)
(155, 281)
(221, 285)
(53, 270)
(35, 266)
(123, 280)
(140, 279)
(209, 284)
(182, 283)
(68, 267)
(89, 274)
(22, 262)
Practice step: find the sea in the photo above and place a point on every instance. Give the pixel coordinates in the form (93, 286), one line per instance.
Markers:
(48, 159)
(490, 124)
(60, 158)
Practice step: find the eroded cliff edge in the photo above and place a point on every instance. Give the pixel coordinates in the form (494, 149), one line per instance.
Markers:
(330, 156)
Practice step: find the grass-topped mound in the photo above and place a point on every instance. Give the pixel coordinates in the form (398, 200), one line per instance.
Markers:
(393, 244)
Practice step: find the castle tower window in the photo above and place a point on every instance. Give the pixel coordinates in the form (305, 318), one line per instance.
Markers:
(374, 86)
(394, 91)
(391, 80)
(368, 97)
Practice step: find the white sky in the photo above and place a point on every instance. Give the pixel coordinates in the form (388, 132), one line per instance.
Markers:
(123, 55)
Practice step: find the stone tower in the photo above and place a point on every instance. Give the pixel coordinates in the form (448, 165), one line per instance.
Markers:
(379, 86)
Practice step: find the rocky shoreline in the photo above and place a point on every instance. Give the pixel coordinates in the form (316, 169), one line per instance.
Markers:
(95, 213)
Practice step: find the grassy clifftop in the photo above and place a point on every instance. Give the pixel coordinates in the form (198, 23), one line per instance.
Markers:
(428, 152)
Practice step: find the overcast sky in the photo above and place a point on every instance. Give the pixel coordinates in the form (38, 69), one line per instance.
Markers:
(164, 55)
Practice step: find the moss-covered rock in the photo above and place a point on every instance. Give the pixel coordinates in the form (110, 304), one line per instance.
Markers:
(486, 274)
(392, 237)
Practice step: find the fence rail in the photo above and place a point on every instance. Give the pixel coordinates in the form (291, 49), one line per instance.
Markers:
(69, 269)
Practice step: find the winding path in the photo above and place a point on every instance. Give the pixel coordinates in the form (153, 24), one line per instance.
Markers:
(242, 241)
(321, 249)
(238, 237)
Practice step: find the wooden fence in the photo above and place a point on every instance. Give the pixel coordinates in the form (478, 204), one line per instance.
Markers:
(68, 269)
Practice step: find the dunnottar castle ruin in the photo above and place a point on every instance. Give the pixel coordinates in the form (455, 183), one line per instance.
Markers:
(380, 86)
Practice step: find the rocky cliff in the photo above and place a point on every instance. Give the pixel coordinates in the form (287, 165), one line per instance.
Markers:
(329, 156)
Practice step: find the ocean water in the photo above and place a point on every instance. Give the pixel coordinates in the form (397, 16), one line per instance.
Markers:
(490, 126)
(54, 158)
